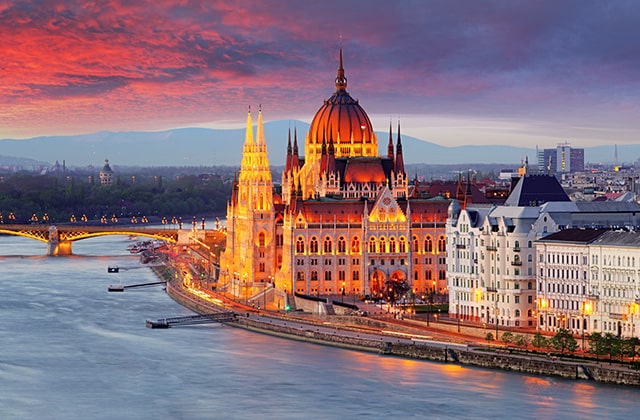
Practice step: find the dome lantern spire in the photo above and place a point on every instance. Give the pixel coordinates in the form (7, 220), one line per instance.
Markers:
(341, 80)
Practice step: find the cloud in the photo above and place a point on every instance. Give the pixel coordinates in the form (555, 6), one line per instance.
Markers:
(81, 66)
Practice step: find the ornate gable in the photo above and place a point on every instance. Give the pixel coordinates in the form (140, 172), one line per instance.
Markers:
(386, 208)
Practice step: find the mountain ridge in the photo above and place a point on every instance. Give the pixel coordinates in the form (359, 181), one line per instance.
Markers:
(193, 146)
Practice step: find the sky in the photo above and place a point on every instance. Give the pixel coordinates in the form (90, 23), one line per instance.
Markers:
(453, 72)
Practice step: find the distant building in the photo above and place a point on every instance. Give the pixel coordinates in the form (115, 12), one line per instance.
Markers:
(106, 174)
(561, 160)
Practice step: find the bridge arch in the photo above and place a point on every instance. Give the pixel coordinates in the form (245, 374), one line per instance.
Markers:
(60, 237)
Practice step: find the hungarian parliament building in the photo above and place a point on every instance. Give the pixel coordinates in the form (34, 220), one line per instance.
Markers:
(345, 222)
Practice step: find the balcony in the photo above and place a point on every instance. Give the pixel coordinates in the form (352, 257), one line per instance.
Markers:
(461, 246)
(516, 249)
(518, 262)
(492, 248)
(493, 289)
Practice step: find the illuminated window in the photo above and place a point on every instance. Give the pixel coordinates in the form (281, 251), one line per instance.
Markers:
(328, 245)
(300, 245)
(372, 245)
(313, 245)
(403, 245)
(392, 244)
(342, 245)
(382, 245)
(261, 240)
(428, 244)
(355, 245)
(416, 245)
(442, 244)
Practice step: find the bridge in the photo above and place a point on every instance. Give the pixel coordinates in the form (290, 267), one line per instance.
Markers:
(60, 237)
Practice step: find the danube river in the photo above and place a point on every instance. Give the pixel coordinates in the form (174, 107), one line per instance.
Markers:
(72, 350)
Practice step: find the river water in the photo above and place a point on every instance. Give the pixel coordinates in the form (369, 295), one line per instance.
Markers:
(71, 350)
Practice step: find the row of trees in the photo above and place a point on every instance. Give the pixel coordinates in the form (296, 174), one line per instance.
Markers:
(599, 344)
(23, 195)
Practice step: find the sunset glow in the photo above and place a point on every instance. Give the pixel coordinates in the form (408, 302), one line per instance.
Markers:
(535, 72)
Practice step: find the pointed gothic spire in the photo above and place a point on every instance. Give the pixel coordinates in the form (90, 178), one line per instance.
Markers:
(459, 191)
(331, 158)
(287, 168)
(399, 159)
(390, 146)
(248, 140)
(295, 159)
(323, 156)
(467, 194)
(341, 80)
(260, 133)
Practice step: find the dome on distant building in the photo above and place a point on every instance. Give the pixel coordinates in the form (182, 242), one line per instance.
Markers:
(106, 174)
(343, 120)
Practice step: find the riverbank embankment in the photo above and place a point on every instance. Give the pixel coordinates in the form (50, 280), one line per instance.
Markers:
(386, 343)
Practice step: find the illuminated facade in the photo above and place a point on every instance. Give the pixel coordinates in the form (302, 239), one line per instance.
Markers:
(589, 281)
(345, 221)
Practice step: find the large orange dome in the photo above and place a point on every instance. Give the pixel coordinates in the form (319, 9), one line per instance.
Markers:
(342, 120)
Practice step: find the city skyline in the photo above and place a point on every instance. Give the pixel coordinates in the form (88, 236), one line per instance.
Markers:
(454, 73)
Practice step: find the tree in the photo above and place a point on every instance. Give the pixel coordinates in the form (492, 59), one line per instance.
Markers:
(489, 337)
(612, 345)
(521, 340)
(563, 340)
(507, 337)
(628, 347)
(539, 340)
(597, 344)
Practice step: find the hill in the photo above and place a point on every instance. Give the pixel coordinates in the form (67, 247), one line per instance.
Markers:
(209, 147)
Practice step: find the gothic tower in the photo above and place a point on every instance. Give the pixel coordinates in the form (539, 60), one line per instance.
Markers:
(249, 256)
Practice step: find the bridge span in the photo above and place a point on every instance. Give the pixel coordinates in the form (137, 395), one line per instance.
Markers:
(60, 237)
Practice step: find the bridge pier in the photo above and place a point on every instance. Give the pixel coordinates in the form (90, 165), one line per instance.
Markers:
(58, 249)
(54, 246)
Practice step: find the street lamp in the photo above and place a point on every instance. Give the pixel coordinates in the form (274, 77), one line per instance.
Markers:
(458, 309)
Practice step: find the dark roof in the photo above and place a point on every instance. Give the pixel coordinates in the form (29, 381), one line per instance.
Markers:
(534, 190)
(574, 235)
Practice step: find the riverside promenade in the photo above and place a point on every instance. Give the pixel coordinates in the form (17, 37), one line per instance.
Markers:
(393, 337)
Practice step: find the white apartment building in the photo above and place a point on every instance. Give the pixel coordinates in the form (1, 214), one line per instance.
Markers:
(491, 257)
(589, 281)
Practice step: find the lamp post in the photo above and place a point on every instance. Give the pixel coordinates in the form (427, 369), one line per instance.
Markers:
(458, 310)
(495, 314)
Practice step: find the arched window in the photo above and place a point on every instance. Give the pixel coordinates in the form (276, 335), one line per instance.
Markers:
(416, 244)
(327, 275)
(392, 244)
(355, 245)
(382, 245)
(403, 245)
(517, 313)
(300, 245)
(328, 245)
(428, 244)
(313, 245)
(372, 245)
(261, 239)
(314, 275)
(442, 244)
(342, 245)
